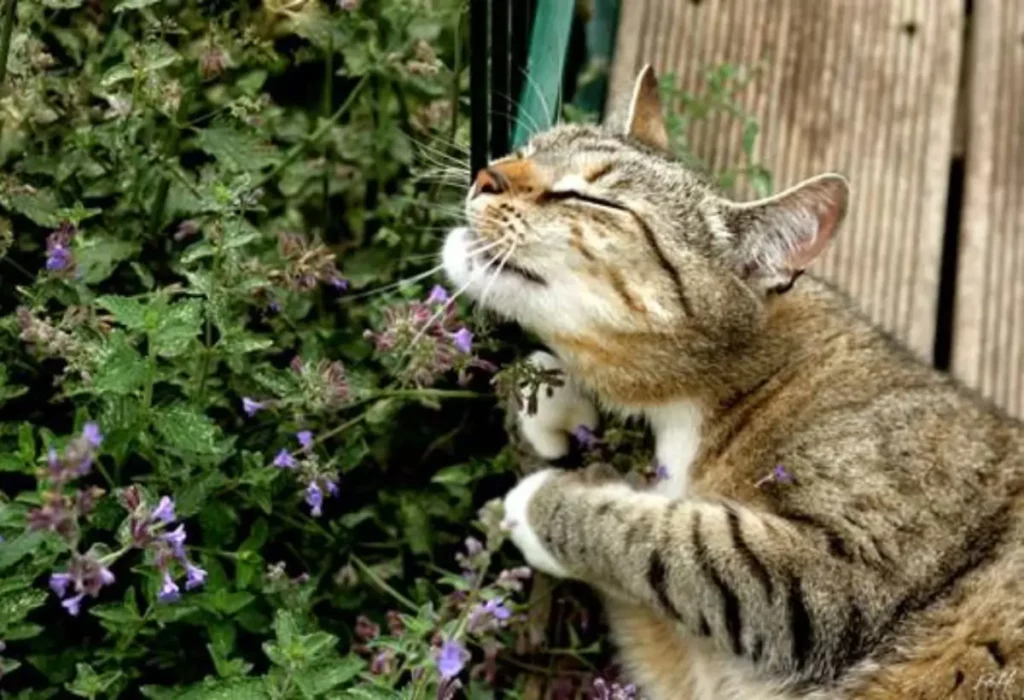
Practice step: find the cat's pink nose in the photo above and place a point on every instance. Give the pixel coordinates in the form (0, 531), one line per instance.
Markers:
(489, 181)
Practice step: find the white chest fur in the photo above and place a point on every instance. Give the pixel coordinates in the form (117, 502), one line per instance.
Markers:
(676, 429)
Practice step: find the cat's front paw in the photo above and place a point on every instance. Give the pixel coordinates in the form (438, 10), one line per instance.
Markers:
(560, 410)
(517, 523)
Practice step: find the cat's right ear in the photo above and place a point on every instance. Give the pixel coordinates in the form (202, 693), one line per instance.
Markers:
(644, 121)
(775, 239)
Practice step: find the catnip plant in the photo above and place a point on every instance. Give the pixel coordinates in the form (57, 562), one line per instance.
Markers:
(251, 445)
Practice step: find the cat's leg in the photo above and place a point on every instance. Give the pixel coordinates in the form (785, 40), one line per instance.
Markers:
(749, 583)
(560, 409)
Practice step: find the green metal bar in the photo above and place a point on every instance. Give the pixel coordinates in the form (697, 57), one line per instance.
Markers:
(601, 33)
(549, 41)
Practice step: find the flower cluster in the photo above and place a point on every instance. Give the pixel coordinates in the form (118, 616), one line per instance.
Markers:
(307, 264)
(62, 509)
(149, 529)
(426, 340)
(307, 467)
(324, 384)
(59, 258)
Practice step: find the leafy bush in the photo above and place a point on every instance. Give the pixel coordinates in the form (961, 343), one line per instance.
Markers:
(226, 469)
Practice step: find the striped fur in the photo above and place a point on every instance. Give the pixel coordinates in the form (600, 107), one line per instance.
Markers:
(890, 564)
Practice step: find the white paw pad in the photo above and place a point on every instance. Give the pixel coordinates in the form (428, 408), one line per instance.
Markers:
(516, 522)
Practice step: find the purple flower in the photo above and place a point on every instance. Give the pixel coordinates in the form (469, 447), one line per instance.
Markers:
(251, 406)
(106, 576)
(584, 436)
(284, 460)
(462, 339)
(91, 433)
(438, 295)
(314, 498)
(332, 487)
(176, 538)
(169, 592)
(778, 475)
(53, 460)
(73, 605)
(195, 576)
(660, 472)
(493, 609)
(59, 584)
(164, 510)
(338, 283)
(58, 258)
(451, 659)
(497, 609)
(305, 438)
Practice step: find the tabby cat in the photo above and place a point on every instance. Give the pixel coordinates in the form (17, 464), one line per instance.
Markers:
(838, 520)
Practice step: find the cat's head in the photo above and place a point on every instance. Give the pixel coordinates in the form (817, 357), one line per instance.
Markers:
(613, 252)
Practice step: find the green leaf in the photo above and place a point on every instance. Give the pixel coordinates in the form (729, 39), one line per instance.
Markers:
(62, 4)
(328, 676)
(26, 443)
(178, 328)
(97, 256)
(38, 205)
(89, 684)
(134, 4)
(226, 689)
(196, 493)
(14, 550)
(130, 312)
(237, 150)
(187, 431)
(121, 370)
(16, 605)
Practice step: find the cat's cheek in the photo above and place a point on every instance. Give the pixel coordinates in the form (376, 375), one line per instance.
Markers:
(455, 256)
(516, 521)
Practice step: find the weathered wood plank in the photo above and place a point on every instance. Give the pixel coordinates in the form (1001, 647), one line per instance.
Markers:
(988, 326)
(863, 87)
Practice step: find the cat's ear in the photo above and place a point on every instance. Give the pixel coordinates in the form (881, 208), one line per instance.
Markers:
(777, 238)
(644, 121)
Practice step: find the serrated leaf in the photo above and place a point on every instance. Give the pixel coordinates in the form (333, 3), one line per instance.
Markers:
(178, 328)
(192, 497)
(38, 205)
(14, 550)
(16, 605)
(319, 679)
(97, 256)
(237, 150)
(130, 312)
(241, 342)
(186, 430)
(89, 684)
(121, 369)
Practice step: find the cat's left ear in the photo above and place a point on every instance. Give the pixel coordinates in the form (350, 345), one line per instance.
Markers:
(644, 121)
(777, 238)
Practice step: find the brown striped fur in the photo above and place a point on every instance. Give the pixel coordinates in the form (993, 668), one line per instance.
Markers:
(890, 564)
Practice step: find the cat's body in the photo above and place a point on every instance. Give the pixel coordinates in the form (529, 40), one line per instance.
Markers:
(838, 520)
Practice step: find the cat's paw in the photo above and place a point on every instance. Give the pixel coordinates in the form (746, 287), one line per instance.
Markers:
(560, 410)
(517, 523)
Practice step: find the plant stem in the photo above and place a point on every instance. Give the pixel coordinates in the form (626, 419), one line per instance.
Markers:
(298, 149)
(383, 585)
(5, 38)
